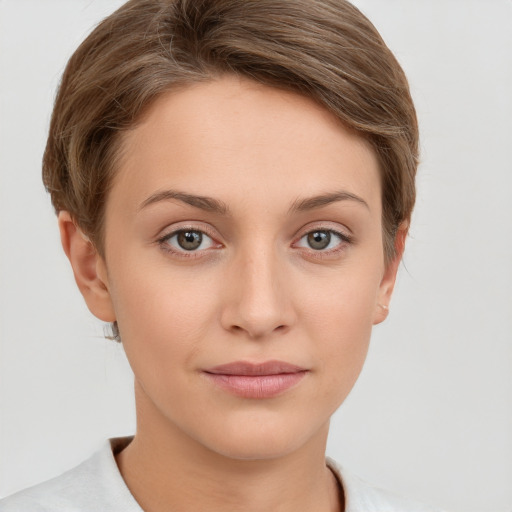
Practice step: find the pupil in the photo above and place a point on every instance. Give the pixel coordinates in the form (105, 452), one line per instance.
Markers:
(190, 240)
(319, 239)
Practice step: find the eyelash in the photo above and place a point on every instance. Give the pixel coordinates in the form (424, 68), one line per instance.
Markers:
(163, 242)
(344, 240)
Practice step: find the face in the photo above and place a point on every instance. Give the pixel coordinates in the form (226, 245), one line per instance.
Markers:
(244, 265)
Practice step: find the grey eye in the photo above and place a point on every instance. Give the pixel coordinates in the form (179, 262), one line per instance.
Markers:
(189, 240)
(323, 240)
(319, 240)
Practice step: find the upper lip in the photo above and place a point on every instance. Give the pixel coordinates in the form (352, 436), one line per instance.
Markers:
(248, 368)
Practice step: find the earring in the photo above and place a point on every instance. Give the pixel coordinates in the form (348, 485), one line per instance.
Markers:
(384, 307)
(114, 333)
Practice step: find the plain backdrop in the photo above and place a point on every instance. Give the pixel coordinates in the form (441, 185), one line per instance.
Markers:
(431, 415)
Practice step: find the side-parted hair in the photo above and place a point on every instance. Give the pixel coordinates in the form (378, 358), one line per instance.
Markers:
(326, 50)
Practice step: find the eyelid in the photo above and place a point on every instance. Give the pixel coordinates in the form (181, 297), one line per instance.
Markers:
(344, 232)
(345, 240)
(174, 230)
(187, 225)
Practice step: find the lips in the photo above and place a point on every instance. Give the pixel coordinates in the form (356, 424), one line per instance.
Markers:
(256, 380)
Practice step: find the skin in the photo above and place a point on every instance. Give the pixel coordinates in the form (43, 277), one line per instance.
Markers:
(255, 290)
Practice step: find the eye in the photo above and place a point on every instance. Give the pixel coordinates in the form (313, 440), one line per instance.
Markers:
(323, 240)
(186, 240)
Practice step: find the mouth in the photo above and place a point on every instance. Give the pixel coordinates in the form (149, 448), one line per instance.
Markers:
(256, 380)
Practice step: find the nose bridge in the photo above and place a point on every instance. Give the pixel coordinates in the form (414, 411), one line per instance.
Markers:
(259, 303)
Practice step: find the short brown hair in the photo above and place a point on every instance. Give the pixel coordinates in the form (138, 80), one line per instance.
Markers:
(324, 49)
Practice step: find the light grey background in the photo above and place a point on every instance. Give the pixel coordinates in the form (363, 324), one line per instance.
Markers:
(431, 416)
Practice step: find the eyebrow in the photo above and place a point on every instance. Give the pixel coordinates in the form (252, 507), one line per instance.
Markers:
(208, 204)
(212, 205)
(310, 203)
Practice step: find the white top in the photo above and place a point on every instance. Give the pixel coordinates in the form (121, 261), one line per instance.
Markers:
(96, 485)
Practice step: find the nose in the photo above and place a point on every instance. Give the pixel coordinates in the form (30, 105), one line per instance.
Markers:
(258, 300)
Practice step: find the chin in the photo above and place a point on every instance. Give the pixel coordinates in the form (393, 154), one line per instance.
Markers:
(258, 449)
(264, 439)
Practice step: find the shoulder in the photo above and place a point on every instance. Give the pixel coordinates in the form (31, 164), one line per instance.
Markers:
(363, 497)
(69, 491)
(95, 484)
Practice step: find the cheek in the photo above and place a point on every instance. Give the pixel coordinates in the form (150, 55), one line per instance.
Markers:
(338, 316)
(163, 315)
(342, 302)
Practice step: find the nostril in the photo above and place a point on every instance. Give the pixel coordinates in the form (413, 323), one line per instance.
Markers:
(237, 328)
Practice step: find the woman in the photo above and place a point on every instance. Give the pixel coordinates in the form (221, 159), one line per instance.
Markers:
(234, 183)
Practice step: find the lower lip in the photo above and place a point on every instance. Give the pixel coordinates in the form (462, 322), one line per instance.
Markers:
(257, 386)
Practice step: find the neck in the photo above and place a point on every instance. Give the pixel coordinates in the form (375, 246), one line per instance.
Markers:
(167, 470)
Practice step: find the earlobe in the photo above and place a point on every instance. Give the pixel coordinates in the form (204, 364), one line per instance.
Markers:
(389, 278)
(88, 268)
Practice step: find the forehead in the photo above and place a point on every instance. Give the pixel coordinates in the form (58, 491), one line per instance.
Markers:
(239, 140)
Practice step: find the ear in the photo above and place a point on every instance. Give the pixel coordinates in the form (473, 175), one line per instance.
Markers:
(88, 267)
(389, 278)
